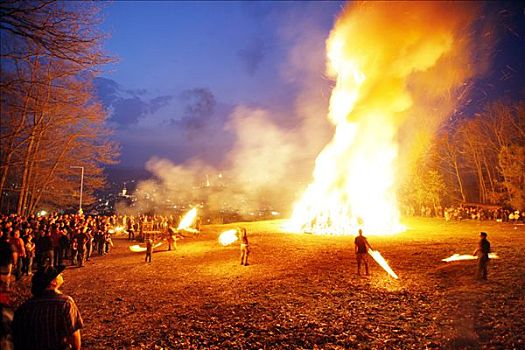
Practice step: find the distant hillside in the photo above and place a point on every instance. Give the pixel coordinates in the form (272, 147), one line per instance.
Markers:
(118, 177)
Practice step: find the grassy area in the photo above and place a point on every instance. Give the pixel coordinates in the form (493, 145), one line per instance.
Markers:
(301, 291)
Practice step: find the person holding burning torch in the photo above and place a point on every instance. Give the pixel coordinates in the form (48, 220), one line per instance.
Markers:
(172, 239)
(483, 255)
(149, 249)
(361, 252)
(243, 237)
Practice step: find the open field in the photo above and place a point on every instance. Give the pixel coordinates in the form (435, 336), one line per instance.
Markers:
(301, 291)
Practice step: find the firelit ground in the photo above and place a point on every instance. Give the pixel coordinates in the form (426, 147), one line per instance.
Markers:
(300, 291)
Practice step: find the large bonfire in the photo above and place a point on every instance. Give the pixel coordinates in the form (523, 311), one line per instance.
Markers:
(380, 55)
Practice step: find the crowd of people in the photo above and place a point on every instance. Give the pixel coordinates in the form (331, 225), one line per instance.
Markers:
(33, 242)
(45, 245)
(467, 212)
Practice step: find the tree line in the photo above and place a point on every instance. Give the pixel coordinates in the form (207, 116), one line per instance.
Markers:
(477, 159)
(51, 120)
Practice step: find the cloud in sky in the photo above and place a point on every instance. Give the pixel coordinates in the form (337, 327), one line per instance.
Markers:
(127, 107)
(199, 107)
(264, 148)
(253, 54)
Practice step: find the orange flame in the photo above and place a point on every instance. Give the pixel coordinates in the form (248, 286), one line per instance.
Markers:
(382, 262)
(188, 220)
(137, 248)
(457, 257)
(116, 229)
(381, 56)
(228, 237)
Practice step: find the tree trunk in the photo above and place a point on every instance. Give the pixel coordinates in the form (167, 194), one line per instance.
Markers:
(36, 136)
(460, 181)
(49, 177)
(10, 149)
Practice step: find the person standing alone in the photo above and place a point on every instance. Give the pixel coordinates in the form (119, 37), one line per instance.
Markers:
(361, 252)
(149, 249)
(483, 256)
(243, 237)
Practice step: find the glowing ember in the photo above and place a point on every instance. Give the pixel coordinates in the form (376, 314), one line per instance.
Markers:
(228, 237)
(382, 262)
(137, 248)
(457, 257)
(374, 57)
(188, 220)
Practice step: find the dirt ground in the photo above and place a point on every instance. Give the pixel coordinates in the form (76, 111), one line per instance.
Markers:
(300, 291)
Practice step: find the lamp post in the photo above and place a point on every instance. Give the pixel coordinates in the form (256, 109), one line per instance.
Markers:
(81, 185)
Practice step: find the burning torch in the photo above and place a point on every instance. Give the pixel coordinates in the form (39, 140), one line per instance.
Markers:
(382, 262)
(228, 237)
(458, 257)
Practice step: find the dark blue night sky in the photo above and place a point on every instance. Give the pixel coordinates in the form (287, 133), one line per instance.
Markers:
(184, 67)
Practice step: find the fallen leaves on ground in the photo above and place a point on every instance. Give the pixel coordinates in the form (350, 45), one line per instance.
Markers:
(301, 292)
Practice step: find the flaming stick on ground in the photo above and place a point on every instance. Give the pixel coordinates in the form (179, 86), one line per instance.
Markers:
(457, 257)
(382, 262)
(228, 237)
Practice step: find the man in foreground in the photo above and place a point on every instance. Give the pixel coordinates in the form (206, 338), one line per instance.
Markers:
(50, 319)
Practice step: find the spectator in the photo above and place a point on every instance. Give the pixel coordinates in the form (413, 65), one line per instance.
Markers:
(20, 253)
(27, 267)
(81, 247)
(7, 256)
(108, 243)
(45, 246)
(50, 319)
(89, 244)
(63, 247)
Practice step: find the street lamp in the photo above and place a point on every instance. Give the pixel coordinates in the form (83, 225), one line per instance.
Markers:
(81, 185)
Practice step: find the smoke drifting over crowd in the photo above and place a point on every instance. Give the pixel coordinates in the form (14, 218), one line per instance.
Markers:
(400, 70)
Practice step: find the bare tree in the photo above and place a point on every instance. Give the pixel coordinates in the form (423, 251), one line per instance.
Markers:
(50, 118)
(512, 163)
(58, 29)
(448, 160)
